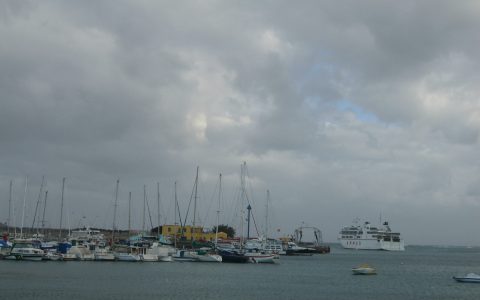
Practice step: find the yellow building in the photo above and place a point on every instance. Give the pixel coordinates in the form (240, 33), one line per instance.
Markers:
(190, 232)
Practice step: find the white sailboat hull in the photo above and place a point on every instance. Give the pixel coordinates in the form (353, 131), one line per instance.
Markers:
(167, 258)
(127, 257)
(208, 258)
(24, 257)
(104, 257)
(149, 257)
(260, 258)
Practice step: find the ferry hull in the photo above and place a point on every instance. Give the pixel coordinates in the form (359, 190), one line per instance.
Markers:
(365, 244)
(392, 246)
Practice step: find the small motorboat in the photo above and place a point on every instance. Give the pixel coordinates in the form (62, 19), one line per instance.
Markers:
(261, 258)
(364, 270)
(470, 277)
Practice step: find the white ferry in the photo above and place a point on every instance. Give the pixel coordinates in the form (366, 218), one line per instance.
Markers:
(368, 237)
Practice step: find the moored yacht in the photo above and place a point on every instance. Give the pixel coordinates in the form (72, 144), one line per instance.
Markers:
(25, 250)
(103, 254)
(368, 237)
(127, 253)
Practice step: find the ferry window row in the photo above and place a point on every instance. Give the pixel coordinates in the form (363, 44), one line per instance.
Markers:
(354, 243)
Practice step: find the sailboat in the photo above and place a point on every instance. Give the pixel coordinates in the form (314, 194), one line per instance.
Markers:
(203, 254)
(24, 249)
(124, 252)
(255, 249)
(232, 254)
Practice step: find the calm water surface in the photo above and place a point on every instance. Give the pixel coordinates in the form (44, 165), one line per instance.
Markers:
(417, 273)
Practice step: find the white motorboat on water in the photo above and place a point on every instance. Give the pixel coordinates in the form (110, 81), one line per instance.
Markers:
(368, 237)
(69, 257)
(127, 257)
(267, 246)
(205, 256)
(127, 253)
(149, 257)
(82, 252)
(24, 250)
(469, 278)
(103, 254)
(162, 252)
(168, 258)
(52, 256)
(364, 270)
(184, 255)
(261, 258)
(145, 256)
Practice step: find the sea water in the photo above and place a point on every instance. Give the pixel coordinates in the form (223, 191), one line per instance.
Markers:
(418, 273)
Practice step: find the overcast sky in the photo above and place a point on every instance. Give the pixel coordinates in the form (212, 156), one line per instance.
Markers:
(342, 109)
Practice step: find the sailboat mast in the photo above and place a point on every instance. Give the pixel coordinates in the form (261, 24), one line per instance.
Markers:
(158, 208)
(129, 209)
(149, 213)
(44, 209)
(144, 203)
(9, 206)
(218, 208)
(195, 205)
(115, 209)
(242, 187)
(175, 218)
(266, 216)
(14, 222)
(24, 204)
(38, 202)
(61, 209)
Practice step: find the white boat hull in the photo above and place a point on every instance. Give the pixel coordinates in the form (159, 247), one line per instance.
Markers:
(28, 257)
(52, 256)
(149, 257)
(261, 258)
(127, 257)
(372, 244)
(25, 253)
(392, 246)
(184, 255)
(208, 258)
(165, 258)
(69, 257)
(104, 257)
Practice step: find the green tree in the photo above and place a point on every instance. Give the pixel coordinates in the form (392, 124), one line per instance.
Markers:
(225, 228)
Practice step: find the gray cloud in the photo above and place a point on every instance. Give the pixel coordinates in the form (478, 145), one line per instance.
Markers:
(342, 110)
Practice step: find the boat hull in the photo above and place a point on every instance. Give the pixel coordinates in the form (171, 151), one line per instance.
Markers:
(469, 278)
(208, 258)
(232, 257)
(149, 257)
(165, 258)
(372, 244)
(127, 257)
(263, 259)
(104, 257)
(364, 271)
(27, 257)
